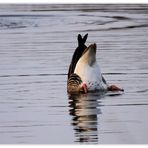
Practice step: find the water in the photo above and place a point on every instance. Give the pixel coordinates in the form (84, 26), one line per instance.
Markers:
(36, 46)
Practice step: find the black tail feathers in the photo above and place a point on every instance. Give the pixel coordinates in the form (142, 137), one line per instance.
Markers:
(81, 41)
(77, 53)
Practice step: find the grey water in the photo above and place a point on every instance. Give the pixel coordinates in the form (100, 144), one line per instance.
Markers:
(36, 46)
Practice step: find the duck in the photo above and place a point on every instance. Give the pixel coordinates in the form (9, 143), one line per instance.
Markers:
(84, 74)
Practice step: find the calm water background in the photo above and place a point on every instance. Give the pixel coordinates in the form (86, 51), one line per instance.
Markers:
(36, 46)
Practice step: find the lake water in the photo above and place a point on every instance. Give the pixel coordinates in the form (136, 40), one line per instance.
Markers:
(36, 46)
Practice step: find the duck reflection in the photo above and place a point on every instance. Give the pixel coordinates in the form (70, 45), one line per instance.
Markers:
(84, 110)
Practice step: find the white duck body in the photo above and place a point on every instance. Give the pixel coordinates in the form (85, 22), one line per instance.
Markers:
(89, 71)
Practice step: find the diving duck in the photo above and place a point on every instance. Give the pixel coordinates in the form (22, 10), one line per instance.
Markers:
(84, 73)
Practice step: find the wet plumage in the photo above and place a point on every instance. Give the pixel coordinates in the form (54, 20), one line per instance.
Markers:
(84, 69)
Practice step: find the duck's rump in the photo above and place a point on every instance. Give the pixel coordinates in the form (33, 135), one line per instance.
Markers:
(91, 75)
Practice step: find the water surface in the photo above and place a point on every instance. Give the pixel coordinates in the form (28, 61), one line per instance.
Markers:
(36, 46)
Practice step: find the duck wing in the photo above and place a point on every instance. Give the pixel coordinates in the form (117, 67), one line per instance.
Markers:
(74, 83)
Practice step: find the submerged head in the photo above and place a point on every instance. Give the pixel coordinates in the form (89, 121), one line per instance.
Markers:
(89, 55)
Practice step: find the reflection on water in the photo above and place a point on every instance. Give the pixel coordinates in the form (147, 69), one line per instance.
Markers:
(84, 110)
